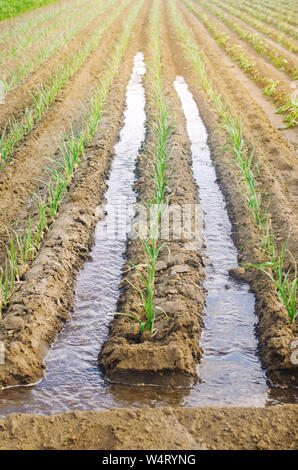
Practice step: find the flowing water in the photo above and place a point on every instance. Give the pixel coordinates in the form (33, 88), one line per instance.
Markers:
(230, 369)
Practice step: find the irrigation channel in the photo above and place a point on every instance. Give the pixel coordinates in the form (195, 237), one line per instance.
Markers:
(230, 370)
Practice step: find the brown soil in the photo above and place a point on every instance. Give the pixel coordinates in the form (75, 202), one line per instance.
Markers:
(45, 295)
(155, 428)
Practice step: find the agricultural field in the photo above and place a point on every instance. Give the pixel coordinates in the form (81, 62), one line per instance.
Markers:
(149, 226)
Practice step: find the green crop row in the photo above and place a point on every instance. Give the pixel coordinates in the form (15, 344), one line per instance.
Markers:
(28, 23)
(22, 43)
(268, 18)
(258, 44)
(258, 25)
(159, 160)
(276, 10)
(12, 77)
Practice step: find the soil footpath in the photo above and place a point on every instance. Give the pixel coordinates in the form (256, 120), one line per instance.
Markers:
(155, 428)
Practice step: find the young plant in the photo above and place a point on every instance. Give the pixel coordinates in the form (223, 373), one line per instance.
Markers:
(270, 89)
(147, 292)
(292, 117)
(4, 286)
(13, 256)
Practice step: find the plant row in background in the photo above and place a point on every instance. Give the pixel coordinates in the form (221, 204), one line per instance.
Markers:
(23, 45)
(29, 23)
(277, 36)
(11, 8)
(282, 13)
(284, 280)
(285, 102)
(267, 18)
(16, 130)
(259, 44)
(24, 245)
(14, 75)
(286, 7)
(17, 44)
(158, 157)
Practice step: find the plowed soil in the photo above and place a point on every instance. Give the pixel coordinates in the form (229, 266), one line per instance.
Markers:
(26, 174)
(167, 428)
(44, 296)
